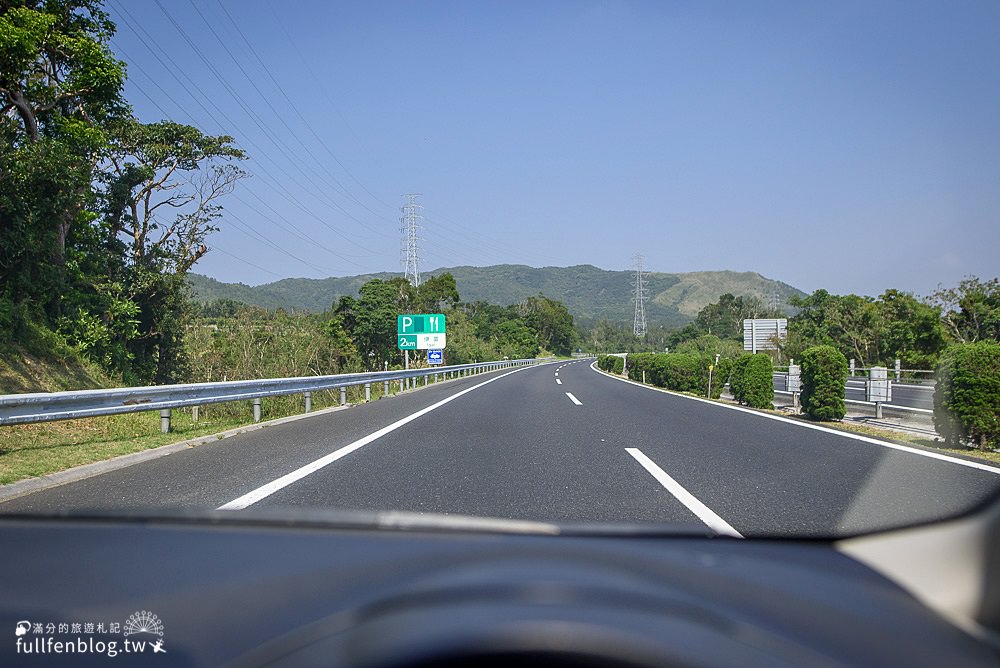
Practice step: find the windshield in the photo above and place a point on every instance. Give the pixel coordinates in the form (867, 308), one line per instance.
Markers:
(728, 270)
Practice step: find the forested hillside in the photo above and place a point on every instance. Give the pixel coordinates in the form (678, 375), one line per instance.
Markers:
(591, 294)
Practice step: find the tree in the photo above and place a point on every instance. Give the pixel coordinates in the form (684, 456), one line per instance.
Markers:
(912, 332)
(552, 322)
(967, 394)
(725, 317)
(165, 167)
(514, 339)
(970, 312)
(159, 201)
(370, 320)
(59, 85)
(437, 294)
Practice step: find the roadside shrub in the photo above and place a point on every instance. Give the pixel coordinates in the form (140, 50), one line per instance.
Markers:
(639, 362)
(611, 363)
(680, 372)
(737, 376)
(967, 395)
(758, 381)
(824, 378)
(720, 372)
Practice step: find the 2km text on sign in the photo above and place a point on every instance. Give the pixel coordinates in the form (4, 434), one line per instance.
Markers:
(421, 331)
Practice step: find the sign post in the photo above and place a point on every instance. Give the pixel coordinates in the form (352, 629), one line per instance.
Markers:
(423, 331)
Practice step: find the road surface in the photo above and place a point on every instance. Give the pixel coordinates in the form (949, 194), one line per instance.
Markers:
(555, 442)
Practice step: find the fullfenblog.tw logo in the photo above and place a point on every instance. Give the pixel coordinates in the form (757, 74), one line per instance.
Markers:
(91, 637)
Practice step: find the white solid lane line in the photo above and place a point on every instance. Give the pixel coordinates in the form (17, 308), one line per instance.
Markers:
(558, 382)
(704, 513)
(270, 488)
(573, 399)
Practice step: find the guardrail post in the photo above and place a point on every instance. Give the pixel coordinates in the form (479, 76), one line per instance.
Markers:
(165, 420)
(400, 384)
(256, 410)
(194, 413)
(308, 396)
(385, 390)
(425, 381)
(368, 392)
(343, 396)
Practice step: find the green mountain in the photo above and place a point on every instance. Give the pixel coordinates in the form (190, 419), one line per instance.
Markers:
(590, 293)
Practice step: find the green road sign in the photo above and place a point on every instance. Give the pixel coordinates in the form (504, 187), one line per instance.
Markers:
(420, 323)
(421, 331)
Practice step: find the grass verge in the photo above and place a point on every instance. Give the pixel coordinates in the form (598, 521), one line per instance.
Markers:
(913, 439)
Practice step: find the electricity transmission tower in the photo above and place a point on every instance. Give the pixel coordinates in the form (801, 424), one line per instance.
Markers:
(409, 252)
(639, 324)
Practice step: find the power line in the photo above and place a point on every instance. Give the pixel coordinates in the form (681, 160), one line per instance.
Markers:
(318, 190)
(248, 262)
(639, 322)
(301, 117)
(410, 251)
(150, 42)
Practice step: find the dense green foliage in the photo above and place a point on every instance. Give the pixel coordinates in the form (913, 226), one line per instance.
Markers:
(967, 395)
(251, 343)
(824, 378)
(103, 215)
(476, 332)
(873, 331)
(970, 312)
(230, 340)
(752, 382)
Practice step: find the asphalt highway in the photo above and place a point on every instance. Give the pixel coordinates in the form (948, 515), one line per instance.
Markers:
(555, 442)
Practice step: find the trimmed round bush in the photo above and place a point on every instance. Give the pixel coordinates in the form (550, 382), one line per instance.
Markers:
(967, 394)
(737, 376)
(824, 382)
(758, 381)
(617, 364)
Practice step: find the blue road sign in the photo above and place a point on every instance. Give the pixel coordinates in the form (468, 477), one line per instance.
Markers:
(434, 357)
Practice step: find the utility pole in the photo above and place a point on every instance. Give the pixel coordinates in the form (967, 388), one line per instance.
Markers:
(409, 252)
(639, 323)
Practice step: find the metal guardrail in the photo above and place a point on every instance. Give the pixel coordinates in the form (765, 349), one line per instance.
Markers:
(51, 406)
(906, 396)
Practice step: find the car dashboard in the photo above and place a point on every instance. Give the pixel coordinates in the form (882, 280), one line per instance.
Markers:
(392, 590)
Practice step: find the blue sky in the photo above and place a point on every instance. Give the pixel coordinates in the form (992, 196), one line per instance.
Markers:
(852, 146)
